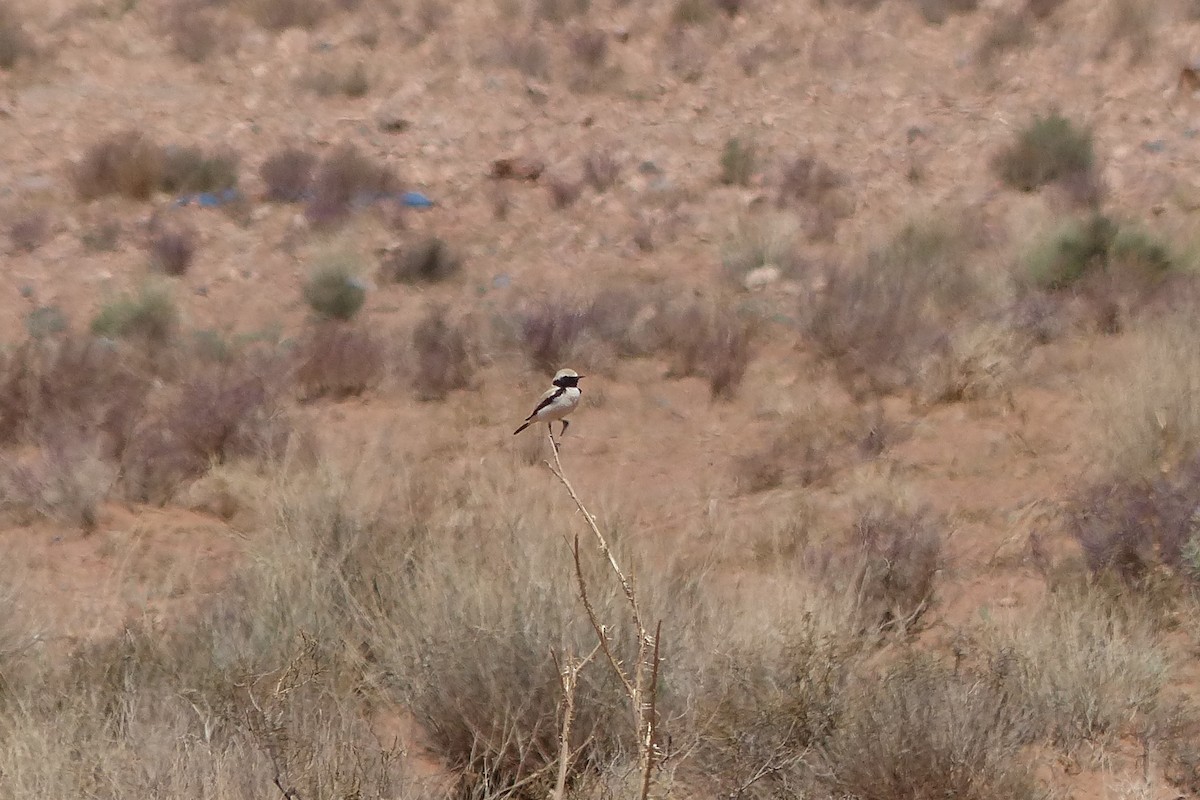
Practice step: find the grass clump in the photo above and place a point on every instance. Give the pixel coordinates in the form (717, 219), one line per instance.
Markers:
(936, 12)
(429, 260)
(1050, 148)
(925, 731)
(444, 361)
(127, 164)
(338, 360)
(739, 162)
(149, 315)
(14, 42)
(288, 174)
(343, 181)
(172, 250)
(334, 290)
(189, 170)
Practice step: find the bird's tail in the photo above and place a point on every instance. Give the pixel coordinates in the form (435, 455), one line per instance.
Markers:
(518, 430)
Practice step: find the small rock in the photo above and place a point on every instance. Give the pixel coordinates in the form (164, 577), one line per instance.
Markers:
(761, 278)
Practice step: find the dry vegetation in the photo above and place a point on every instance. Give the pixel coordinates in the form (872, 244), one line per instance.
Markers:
(887, 312)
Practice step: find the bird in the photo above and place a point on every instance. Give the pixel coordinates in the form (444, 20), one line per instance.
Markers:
(556, 403)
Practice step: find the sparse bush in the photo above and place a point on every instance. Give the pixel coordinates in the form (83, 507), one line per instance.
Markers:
(556, 12)
(172, 250)
(767, 240)
(128, 164)
(429, 260)
(1042, 9)
(103, 237)
(45, 321)
(714, 342)
(601, 170)
(1072, 252)
(936, 12)
(444, 360)
(344, 180)
(150, 316)
(29, 230)
(334, 290)
(924, 731)
(1005, 32)
(65, 480)
(692, 12)
(288, 175)
(65, 384)
(879, 320)
(590, 47)
(898, 555)
(14, 43)
(338, 360)
(350, 82)
(188, 170)
(563, 192)
(1050, 149)
(194, 30)
(527, 54)
(551, 333)
(820, 189)
(739, 161)
(221, 412)
(1090, 666)
(278, 15)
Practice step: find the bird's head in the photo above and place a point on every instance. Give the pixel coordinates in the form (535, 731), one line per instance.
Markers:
(566, 378)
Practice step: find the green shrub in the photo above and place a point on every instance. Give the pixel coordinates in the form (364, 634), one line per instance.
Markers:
(150, 315)
(1051, 148)
(738, 162)
(1095, 244)
(334, 291)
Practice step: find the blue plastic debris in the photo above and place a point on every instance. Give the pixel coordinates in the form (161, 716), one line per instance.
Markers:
(209, 199)
(416, 200)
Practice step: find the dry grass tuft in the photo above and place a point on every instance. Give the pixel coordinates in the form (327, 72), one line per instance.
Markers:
(127, 164)
(287, 174)
(709, 340)
(1090, 666)
(445, 361)
(601, 170)
(189, 170)
(338, 360)
(172, 249)
(345, 180)
(14, 42)
(936, 12)
(924, 731)
(739, 162)
(149, 317)
(65, 480)
(29, 230)
(820, 191)
(429, 260)
(878, 320)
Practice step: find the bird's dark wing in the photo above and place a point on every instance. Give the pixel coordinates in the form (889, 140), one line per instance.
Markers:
(547, 399)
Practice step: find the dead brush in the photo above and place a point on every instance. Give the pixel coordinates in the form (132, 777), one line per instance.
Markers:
(924, 731)
(50, 387)
(221, 412)
(287, 174)
(127, 164)
(601, 169)
(337, 360)
(428, 260)
(713, 341)
(29, 230)
(172, 249)
(445, 360)
(819, 190)
(65, 480)
(345, 180)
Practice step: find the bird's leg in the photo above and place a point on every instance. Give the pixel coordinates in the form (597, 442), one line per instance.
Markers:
(564, 430)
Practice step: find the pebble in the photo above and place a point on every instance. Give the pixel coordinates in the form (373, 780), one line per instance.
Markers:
(761, 277)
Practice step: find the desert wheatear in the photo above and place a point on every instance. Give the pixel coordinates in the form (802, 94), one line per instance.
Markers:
(556, 403)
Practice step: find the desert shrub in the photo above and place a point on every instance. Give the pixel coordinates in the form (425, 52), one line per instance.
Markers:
(65, 480)
(187, 170)
(172, 249)
(1072, 252)
(348, 81)
(334, 290)
(589, 46)
(195, 31)
(221, 412)
(45, 321)
(601, 170)
(709, 341)
(897, 556)
(344, 180)
(278, 15)
(936, 12)
(551, 333)
(14, 42)
(739, 161)
(819, 190)
(128, 164)
(59, 385)
(766, 240)
(1090, 665)
(1005, 32)
(29, 230)
(692, 12)
(338, 360)
(1042, 9)
(767, 701)
(429, 260)
(527, 54)
(925, 731)
(103, 237)
(1050, 148)
(878, 320)
(1132, 526)
(288, 174)
(563, 192)
(149, 316)
(443, 354)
